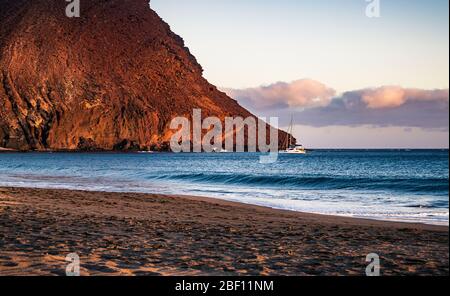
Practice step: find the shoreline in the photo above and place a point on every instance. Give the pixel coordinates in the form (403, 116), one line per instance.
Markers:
(153, 234)
(218, 199)
(323, 217)
(2, 149)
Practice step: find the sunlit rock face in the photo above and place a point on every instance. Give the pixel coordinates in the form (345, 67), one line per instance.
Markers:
(112, 79)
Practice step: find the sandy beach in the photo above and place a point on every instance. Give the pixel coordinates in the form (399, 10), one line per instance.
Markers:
(143, 234)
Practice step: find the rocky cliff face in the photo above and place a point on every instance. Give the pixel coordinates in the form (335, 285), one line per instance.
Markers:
(112, 79)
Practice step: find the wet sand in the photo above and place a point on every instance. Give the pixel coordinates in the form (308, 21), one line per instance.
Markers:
(143, 234)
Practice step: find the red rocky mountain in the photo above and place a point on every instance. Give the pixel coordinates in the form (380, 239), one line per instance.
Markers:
(112, 79)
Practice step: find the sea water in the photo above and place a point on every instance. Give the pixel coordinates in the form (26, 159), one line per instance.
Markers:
(395, 185)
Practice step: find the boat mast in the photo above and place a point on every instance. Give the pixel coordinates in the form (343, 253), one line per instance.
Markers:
(291, 130)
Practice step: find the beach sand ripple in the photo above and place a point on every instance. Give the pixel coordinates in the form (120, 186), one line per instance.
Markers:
(150, 235)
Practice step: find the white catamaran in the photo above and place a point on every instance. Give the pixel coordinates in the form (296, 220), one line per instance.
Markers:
(293, 148)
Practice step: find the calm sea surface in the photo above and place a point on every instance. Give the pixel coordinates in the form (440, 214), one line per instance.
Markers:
(408, 186)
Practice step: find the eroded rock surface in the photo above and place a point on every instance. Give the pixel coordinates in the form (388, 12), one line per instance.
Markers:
(112, 79)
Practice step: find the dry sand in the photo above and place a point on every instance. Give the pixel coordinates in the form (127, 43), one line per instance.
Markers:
(142, 234)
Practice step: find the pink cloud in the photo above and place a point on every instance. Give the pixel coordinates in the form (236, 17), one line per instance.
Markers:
(299, 93)
(395, 96)
(315, 104)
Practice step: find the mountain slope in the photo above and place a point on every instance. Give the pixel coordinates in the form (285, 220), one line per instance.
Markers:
(112, 79)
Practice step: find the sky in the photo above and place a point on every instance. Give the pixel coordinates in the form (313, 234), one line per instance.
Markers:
(348, 80)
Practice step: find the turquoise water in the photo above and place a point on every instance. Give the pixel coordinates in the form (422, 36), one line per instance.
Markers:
(407, 186)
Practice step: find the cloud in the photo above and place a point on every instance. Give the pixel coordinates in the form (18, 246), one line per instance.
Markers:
(415, 108)
(383, 106)
(384, 97)
(297, 94)
(395, 96)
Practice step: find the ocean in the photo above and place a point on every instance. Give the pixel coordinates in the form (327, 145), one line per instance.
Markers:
(394, 185)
